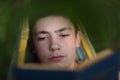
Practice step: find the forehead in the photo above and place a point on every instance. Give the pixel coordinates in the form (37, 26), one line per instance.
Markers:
(52, 23)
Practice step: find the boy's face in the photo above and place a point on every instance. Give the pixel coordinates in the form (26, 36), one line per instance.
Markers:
(55, 41)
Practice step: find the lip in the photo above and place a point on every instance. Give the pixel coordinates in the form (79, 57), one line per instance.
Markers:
(56, 58)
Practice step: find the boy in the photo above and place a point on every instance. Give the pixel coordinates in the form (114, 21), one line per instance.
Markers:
(55, 42)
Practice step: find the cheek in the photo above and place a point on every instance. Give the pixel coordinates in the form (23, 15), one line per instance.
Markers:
(41, 51)
(40, 47)
(69, 45)
(71, 51)
(70, 42)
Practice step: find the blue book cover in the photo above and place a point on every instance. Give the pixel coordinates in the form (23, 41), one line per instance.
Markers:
(104, 69)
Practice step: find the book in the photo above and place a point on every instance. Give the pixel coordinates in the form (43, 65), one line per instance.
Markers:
(103, 67)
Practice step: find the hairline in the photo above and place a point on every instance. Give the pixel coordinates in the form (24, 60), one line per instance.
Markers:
(57, 16)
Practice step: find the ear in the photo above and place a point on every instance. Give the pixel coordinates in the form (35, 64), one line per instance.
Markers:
(78, 38)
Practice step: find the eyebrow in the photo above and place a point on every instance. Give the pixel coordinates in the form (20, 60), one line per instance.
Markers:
(62, 29)
(46, 32)
(41, 32)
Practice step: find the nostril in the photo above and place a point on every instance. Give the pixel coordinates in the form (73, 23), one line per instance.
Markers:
(54, 46)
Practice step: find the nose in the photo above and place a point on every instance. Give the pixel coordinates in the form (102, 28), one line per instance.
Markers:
(54, 44)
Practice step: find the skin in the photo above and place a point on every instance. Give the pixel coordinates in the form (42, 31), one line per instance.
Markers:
(55, 41)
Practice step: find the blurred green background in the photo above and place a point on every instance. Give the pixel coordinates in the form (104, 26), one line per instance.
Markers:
(100, 18)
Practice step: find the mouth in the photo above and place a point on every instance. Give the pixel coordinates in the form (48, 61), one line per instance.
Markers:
(56, 58)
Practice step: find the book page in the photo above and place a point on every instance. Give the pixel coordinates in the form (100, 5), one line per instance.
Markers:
(100, 56)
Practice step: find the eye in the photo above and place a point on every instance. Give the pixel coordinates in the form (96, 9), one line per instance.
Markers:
(64, 35)
(42, 38)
